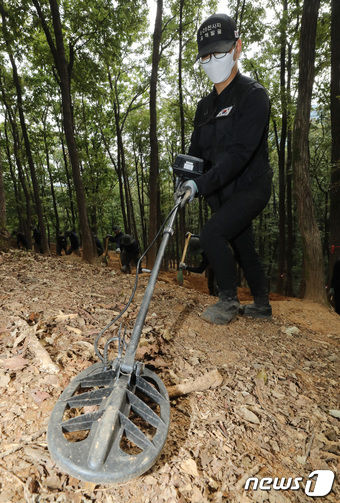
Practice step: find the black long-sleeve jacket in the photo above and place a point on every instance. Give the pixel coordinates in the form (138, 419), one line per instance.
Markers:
(132, 249)
(230, 134)
(202, 265)
(74, 240)
(116, 239)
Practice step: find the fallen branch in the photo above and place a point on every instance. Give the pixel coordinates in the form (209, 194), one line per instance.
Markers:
(42, 357)
(13, 474)
(210, 380)
(29, 440)
(309, 447)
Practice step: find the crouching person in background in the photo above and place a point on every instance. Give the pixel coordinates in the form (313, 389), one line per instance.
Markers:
(130, 252)
(74, 243)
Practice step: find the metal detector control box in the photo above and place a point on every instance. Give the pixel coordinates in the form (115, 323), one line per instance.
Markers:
(188, 167)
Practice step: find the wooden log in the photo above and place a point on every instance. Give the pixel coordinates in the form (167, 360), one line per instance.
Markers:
(42, 358)
(210, 380)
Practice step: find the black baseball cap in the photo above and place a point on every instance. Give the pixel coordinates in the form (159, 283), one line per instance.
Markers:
(127, 240)
(195, 247)
(218, 33)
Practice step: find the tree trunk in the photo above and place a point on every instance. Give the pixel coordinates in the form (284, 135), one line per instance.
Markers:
(24, 221)
(154, 167)
(69, 188)
(118, 170)
(335, 124)
(14, 179)
(54, 201)
(89, 251)
(182, 225)
(289, 200)
(124, 203)
(2, 198)
(17, 84)
(117, 165)
(64, 69)
(180, 87)
(290, 237)
(282, 154)
(140, 192)
(311, 241)
(4, 234)
(131, 227)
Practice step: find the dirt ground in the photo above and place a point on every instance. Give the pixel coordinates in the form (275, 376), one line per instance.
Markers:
(275, 413)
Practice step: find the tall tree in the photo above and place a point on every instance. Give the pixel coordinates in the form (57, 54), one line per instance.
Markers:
(181, 107)
(4, 235)
(282, 153)
(289, 247)
(64, 69)
(154, 160)
(335, 124)
(27, 143)
(24, 219)
(311, 241)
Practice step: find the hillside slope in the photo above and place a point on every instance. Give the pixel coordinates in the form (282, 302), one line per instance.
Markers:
(270, 417)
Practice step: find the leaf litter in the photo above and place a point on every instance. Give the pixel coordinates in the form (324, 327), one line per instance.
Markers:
(275, 414)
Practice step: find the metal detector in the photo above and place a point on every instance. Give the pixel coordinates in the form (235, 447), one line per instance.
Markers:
(111, 422)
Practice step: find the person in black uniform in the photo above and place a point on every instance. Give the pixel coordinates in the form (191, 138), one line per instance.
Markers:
(21, 240)
(335, 285)
(37, 239)
(74, 243)
(99, 246)
(195, 248)
(61, 243)
(230, 135)
(118, 234)
(129, 252)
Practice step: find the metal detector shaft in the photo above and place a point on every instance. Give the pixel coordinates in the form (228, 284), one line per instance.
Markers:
(128, 362)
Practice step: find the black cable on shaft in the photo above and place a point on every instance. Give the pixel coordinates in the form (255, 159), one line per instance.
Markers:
(104, 358)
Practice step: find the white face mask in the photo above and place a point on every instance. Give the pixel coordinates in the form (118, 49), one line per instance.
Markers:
(218, 70)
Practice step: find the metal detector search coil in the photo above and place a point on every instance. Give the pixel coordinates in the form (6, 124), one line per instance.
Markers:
(108, 427)
(188, 167)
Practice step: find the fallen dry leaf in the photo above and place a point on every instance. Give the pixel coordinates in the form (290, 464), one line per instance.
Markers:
(249, 416)
(189, 466)
(15, 363)
(4, 380)
(40, 396)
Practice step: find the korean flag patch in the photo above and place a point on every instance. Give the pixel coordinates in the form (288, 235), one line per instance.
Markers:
(224, 112)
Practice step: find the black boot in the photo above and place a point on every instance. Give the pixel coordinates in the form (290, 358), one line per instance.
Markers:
(126, 269)
(223, 311)
(260, 308)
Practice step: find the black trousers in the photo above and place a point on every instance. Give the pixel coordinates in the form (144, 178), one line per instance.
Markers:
(126, 258)
(337, 302)
(60, 248)
(227, 237)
